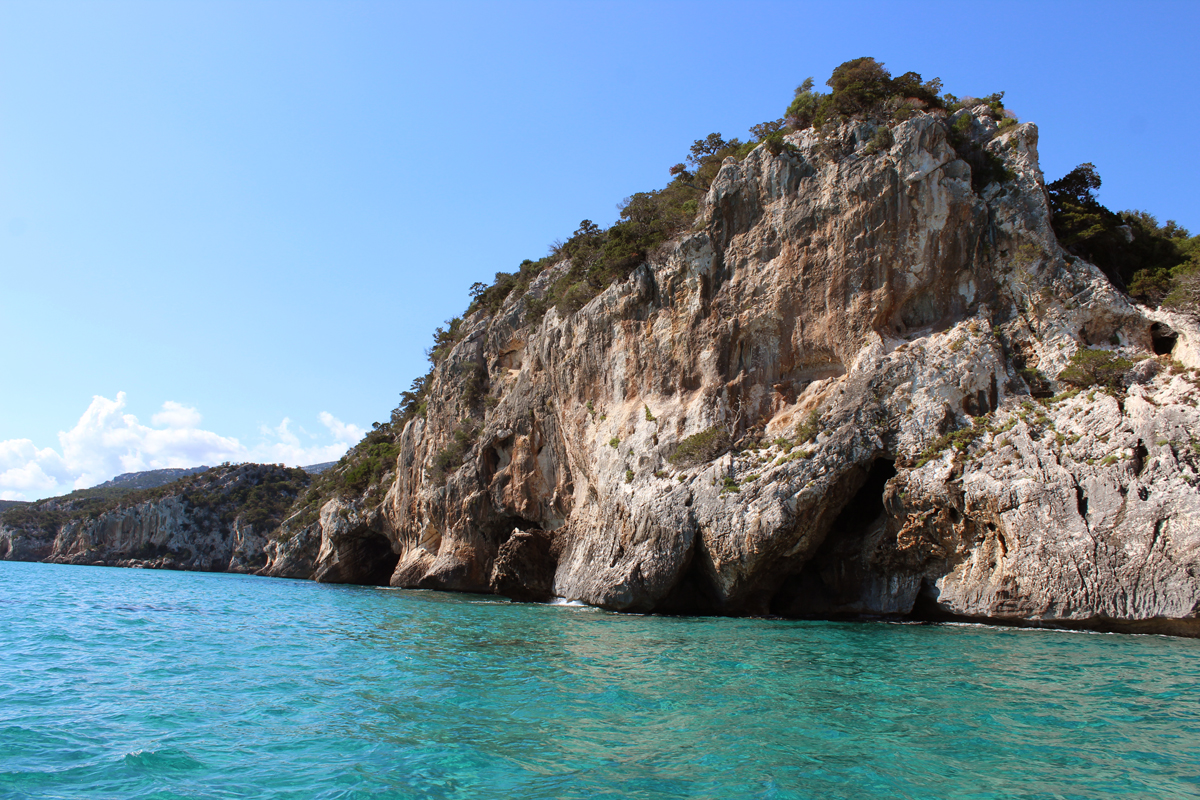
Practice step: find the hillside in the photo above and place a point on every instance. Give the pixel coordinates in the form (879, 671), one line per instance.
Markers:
(149, 479)
(846, 369)
(214, 520)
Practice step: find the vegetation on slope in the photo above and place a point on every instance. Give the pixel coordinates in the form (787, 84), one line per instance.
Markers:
(1158, 264)
(598, 257)
(593, 258)
(260, 493)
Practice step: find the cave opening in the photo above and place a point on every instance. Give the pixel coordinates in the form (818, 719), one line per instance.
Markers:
(376, 559)
(866, 506)
(833, 582)
(925, 606)
(1162, 339)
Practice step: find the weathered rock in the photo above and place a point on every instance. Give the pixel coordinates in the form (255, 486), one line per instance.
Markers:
(353, 550)
(21, 544)
(197, 527)
(836, 310)
(292, 553)
(524, 567)
(879, 335)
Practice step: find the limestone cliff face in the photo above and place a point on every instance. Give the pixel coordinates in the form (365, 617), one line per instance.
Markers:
(836, 311)
(204, 524)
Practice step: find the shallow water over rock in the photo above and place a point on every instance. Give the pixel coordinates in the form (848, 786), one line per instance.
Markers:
(130, 683)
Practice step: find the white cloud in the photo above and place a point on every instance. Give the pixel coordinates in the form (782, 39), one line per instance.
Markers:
(26, 471)
(287, 449)
(342, 432)
(176, 415)
(106, 442)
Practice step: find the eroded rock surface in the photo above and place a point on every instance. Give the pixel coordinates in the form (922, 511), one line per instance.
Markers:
(880, 338)
(217, 521)
(837, 311)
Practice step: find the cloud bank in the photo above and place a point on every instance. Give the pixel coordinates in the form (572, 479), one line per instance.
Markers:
(107, 442)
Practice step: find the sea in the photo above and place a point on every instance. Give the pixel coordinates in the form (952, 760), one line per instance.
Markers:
(152, 684)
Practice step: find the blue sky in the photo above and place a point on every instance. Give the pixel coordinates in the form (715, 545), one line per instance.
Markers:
(229, 229)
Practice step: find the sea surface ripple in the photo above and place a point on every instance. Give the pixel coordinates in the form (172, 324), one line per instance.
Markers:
(140, 684)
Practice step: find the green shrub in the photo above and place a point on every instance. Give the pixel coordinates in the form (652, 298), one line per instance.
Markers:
(444, 340)
(614, 442)
(986, 166)
(803, 109)
(1095, 368)
(960, 440)
(1184, 288)
(771, 134)
(881, 140)
(794, 455)
(372, 463)
(35, 516)
(474, 378)
(263, 504)
(260, 494)
(810, 428)
(413, 402)
(862, 87)
(629, 476)
(700, 448)
(649, 417)
(600, 258)
(1157, 263)
(535, 309)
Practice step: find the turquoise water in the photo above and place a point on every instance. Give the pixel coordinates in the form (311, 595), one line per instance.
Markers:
(140, 684)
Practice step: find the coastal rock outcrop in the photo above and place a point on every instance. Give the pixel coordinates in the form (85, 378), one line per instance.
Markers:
(215, 521)
(866, 382)
(878, 334)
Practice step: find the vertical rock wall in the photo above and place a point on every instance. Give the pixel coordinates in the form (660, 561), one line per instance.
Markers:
(837, 311)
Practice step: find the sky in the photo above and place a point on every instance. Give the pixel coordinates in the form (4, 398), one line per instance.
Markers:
(229, 229)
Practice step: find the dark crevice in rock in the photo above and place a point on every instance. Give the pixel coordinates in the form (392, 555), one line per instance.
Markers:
(694, 593)
(1162, 339)
(499, 529)
(1139, 458)
(838, 581)
(525, 565)
(926, 607)
(380, 567)
(367, 560)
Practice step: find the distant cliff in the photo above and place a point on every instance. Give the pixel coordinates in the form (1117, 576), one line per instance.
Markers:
(215, 520)
(149, 479)
(867, 381)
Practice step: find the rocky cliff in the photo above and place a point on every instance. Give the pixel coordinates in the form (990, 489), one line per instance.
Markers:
(216, 520)
(835, 396)
(867, 382)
